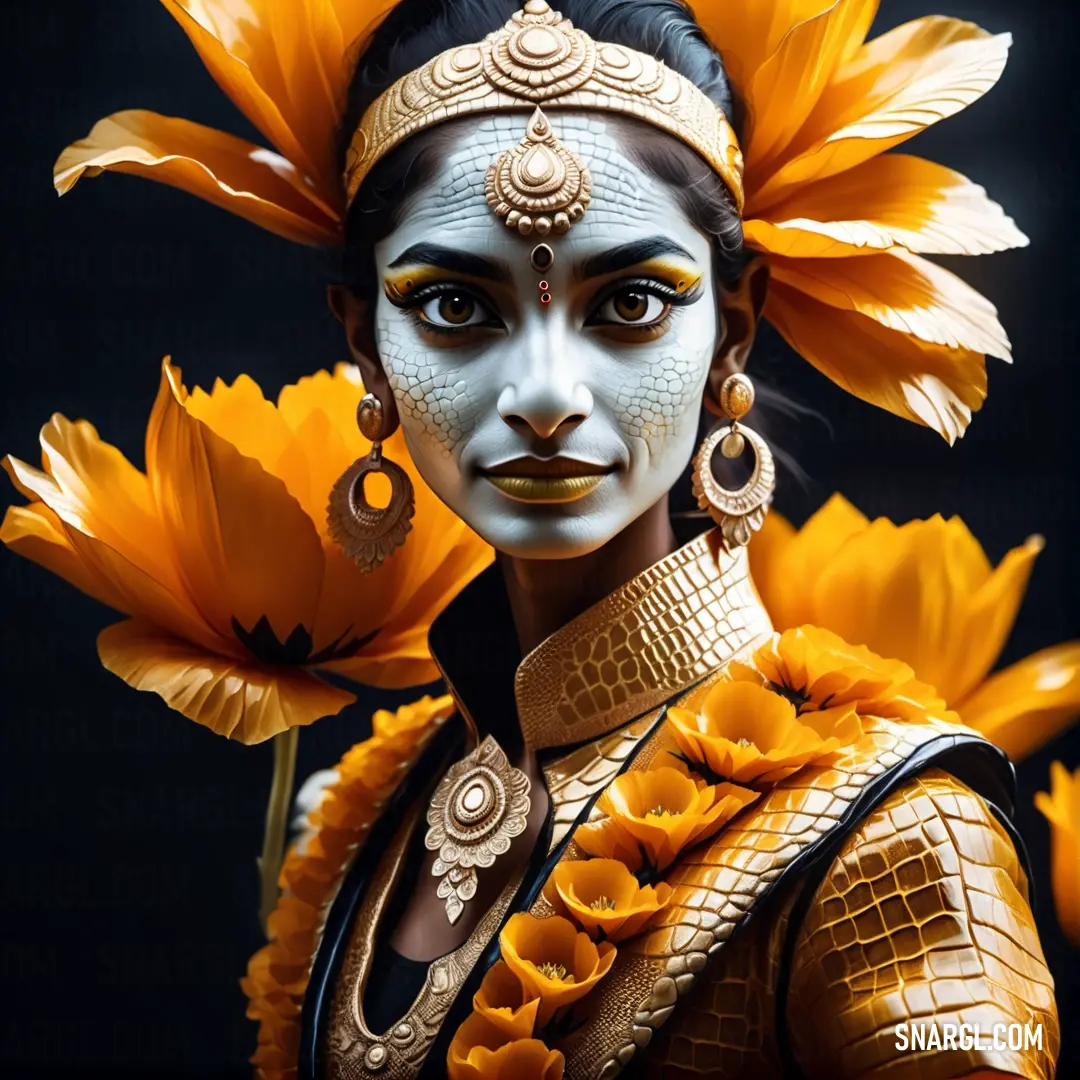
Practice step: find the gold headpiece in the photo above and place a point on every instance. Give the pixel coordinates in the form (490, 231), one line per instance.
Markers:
(540, 59)
(843, 224)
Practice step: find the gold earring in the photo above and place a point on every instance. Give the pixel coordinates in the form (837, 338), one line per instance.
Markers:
(368, 534)
(742, 512)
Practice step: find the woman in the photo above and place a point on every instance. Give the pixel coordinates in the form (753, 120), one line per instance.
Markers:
(652, 834)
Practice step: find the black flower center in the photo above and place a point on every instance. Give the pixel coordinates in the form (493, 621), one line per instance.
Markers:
(799, 698)
(296, 649)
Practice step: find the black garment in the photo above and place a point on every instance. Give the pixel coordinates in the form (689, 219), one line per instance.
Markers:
(393, 984)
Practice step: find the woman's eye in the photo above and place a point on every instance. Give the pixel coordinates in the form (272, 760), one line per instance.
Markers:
(455, 310)
(632, 307)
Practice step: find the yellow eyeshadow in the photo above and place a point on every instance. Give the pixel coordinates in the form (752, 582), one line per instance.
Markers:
(679, 276)
(399, 286)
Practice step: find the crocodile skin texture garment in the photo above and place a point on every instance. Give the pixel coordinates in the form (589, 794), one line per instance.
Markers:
(660, 632)
(874, 889)
(720, 884)
(922, 916)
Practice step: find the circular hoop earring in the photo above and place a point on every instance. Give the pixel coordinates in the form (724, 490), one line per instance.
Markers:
(369, 534)
(739, 513)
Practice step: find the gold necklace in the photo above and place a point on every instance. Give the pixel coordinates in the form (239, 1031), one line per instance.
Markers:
(480, 805)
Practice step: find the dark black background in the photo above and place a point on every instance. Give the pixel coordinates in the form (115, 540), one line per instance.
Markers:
(129, 834)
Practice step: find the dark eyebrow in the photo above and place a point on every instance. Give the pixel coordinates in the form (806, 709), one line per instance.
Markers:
(627, 255)
(457, 262)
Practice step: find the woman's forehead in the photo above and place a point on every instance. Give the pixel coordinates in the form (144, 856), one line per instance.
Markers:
(628, 204)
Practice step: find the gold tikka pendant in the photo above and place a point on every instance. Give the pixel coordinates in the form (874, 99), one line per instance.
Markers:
(480, 805)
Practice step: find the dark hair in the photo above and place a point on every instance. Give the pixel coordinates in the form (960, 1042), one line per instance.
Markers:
(415, 31)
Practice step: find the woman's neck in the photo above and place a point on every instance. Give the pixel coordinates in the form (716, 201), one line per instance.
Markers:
(545, 594)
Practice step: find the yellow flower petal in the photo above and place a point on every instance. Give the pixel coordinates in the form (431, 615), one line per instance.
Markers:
(766, 550)
(240, 700)
(991, 612)
(924, 593)
(530, 944)
(786, 571)
(749, 734)
(903, 292)
(603, 897)
(248, 61)
(219, 509)
(1062, 809)
(660, 811)
(786, 88)
(36, 533)
(820, 670)
(256, 184)
(891, 89)
(751, 35)
(1026, 705)
(133, 574)
(929, 384)
(480, 1051)
(892, 200)
(500, 1000)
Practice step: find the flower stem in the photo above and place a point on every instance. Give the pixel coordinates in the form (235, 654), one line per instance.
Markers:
(277, 820)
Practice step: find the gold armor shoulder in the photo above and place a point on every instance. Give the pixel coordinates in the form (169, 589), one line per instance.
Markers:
(922, 919)
(720, 884)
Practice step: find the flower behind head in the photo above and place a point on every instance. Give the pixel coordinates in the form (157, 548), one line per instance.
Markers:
(220, 556)
(924, 593)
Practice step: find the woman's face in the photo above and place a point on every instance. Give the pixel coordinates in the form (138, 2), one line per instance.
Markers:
(547, 428)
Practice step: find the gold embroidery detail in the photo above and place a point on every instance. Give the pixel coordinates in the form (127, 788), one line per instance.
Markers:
(480, 805)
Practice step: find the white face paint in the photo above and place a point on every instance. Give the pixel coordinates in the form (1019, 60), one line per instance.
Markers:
(548, 429)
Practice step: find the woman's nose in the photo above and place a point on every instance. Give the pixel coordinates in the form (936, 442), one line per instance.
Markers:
(545, 403)
(548, 398)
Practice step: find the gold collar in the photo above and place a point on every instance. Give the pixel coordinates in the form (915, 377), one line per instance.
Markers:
(662, 631)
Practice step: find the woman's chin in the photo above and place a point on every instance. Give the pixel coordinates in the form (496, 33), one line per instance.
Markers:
(528, 529)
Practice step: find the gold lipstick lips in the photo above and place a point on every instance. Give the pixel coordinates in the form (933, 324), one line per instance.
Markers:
(555, 480)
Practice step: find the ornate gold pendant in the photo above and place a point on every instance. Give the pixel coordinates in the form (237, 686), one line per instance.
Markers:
(480, 805)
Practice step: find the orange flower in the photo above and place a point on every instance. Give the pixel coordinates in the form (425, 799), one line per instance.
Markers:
(925, 593)
(1062, 809)
(844, 224)
(288, 74)
(480, 1051)
(604, 898)
(653, 815)
(220, 553)
(746, 733)
(501, 998)
(553, 961)
(817, 669)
